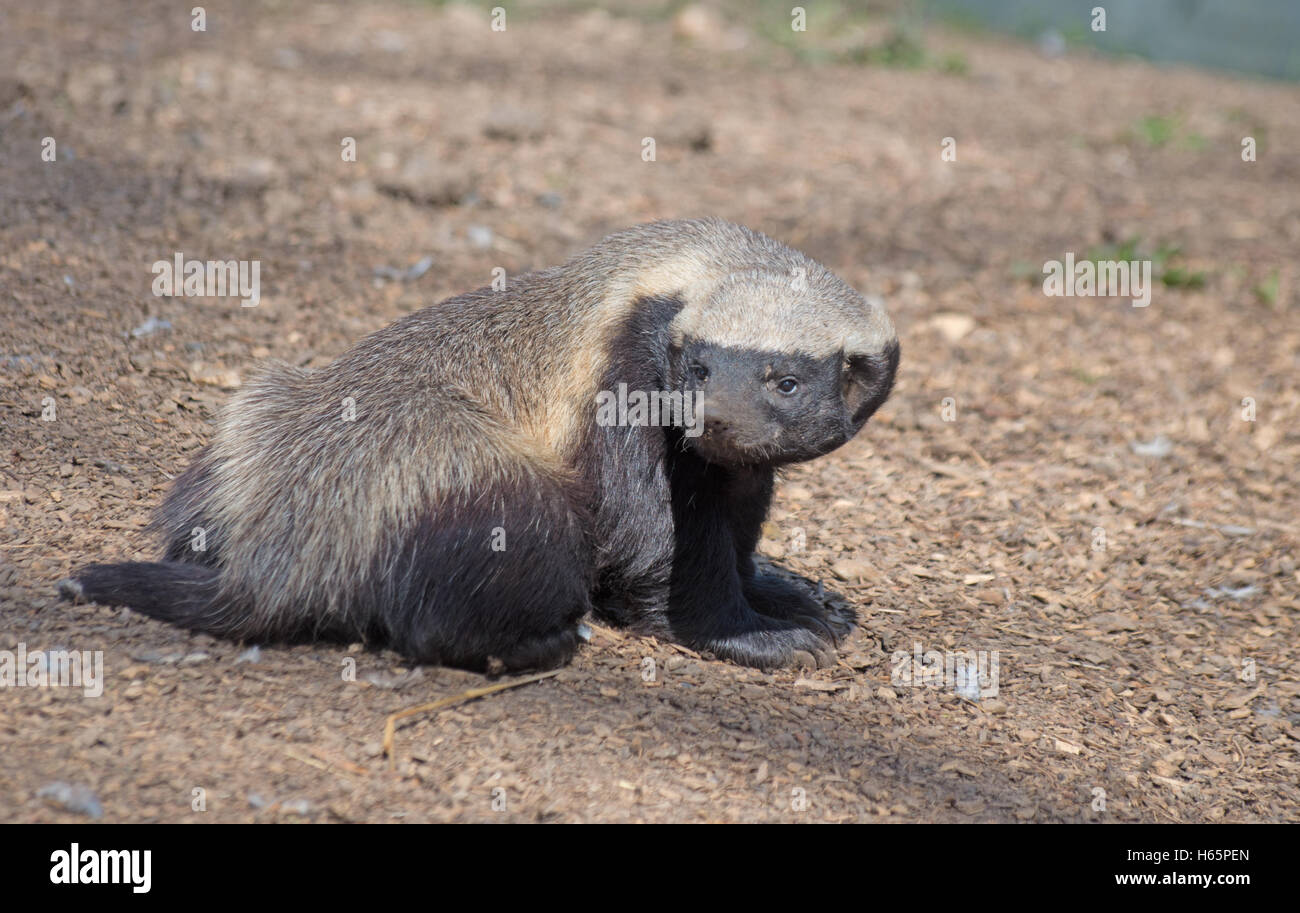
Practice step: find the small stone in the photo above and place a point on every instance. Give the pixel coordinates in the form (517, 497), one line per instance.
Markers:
(850, 569)
(74, 797)
(150, 326)
(1158, 448)
(952, 327)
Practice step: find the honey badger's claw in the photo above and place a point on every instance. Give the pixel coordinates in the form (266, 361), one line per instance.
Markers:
(804, 660)
(819, 625)
(842, 626)
(774, 645)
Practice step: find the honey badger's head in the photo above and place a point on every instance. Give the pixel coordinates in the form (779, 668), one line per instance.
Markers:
(787, 367)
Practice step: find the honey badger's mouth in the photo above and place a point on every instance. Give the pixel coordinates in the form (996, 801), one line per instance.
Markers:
(717, 447)
(730, 437)
(727, 445)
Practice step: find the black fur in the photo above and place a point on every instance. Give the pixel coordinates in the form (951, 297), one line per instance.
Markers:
(449, 598)
(174, 591)
(440, 594)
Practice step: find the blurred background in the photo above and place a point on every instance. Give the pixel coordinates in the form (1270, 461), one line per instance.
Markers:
(1251, 36)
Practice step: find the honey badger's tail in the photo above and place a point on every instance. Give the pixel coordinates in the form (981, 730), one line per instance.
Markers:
(174, 591)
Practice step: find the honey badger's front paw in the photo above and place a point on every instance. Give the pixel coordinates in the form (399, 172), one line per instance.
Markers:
(778, 598)
(773, 644)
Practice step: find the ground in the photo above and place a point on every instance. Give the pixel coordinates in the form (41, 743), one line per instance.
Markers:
(1103, 494)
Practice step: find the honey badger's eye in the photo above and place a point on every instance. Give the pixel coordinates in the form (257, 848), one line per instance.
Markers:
(788, 386)
(701, 373)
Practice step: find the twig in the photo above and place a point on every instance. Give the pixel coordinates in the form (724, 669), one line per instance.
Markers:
(324, 763)
(311, 762)
(390, 727)
(976, 454)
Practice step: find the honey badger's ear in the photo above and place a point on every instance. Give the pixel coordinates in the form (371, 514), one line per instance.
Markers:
(866, 382)
(856, 385)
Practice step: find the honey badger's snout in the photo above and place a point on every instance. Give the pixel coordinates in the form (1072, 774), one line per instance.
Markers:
(736, 427)
(731, 411)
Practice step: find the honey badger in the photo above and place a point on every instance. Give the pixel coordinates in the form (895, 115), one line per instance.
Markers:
(444, 489)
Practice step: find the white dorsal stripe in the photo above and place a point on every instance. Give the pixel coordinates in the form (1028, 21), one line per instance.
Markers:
(743, 289)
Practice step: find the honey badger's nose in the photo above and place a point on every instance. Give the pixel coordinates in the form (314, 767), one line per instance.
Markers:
(723, 414)
(724, 382)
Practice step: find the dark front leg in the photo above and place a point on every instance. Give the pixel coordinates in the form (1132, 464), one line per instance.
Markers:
(749, 497)
(716, 517)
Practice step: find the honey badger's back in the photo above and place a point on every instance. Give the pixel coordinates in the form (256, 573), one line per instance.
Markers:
(330, 502)
(316, 479)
